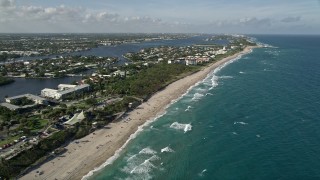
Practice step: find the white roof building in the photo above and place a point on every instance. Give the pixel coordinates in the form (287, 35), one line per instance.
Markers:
(62, 93)
(66, 86)
(36, 99)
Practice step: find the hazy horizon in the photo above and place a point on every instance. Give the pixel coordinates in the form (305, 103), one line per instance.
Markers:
(189, 16)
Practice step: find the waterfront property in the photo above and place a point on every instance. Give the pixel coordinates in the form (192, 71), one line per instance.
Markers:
(63, 87)
(24, 101)
(64, 90)
(36, 99)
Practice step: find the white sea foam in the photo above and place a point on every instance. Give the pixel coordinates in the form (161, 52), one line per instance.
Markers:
(141, 167)
(148, 150)
(145, 167)
(188, 108)
(209, 94)
(132, 157)
(197, 96)
(167, 149)
(140, 128)
(227, 63)
(202, 172)
(201, 90)
(266, 45)
(241, 72)
(226, 77)
(242, 123)
(214, 82)
(141, 163)
(179, 126)
(117, 153)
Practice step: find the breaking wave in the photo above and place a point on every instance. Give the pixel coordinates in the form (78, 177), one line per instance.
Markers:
(197, 96)
(188, 108)
(202, 172)
(167, 149)
(179, 126)
(147, 164)
(242, 123)
(142, 163)
(148, 151)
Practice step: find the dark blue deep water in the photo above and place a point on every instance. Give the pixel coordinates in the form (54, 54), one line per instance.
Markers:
(255, 118)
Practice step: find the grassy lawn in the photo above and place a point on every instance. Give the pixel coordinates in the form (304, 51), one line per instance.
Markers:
(9, 140)
(39, 124)
(82, 105)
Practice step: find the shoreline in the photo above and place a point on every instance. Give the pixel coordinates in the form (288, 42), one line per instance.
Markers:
(101, 148)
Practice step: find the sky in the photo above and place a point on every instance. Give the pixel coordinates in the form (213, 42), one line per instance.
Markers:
(160, 16)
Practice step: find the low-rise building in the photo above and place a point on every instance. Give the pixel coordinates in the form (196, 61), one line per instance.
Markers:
(63, 91)
(190, 60)
(62, 87)
(36, 99)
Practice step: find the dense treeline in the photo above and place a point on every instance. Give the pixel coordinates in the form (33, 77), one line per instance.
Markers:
(6, 115)
(150, 80)
(22, 101)
(4, 80)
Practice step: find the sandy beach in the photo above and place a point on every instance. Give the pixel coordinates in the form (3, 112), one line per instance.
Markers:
(83, 155)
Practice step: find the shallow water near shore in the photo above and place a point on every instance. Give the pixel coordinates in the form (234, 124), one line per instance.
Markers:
(256, 118)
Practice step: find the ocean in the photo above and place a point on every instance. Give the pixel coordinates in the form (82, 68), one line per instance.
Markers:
(256, 117)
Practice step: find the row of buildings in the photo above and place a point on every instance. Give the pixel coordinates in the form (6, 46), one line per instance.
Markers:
(190, 60)
(63, 91)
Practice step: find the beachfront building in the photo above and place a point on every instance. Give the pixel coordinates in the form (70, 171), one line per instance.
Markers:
(190, 60)
(220, 51)
(64, 90)
(202, 59)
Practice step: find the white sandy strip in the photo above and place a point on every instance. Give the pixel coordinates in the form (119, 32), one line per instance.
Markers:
(94, 149)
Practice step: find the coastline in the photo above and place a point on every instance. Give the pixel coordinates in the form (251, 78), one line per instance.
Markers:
(92, 151)
(6, 81)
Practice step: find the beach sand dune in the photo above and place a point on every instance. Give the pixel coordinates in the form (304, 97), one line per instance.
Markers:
(93, 150)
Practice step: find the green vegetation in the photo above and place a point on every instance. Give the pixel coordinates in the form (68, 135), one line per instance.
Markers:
(114, 91)
(148, 81)
(22, 101)
(120, 106)
(4, 80)
(8, 140)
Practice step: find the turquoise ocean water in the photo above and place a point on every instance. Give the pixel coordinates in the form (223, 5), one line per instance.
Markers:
(255, 118)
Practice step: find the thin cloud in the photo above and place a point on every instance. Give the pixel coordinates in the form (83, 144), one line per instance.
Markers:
(291, 19)
(165, 16)
(7, 3)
